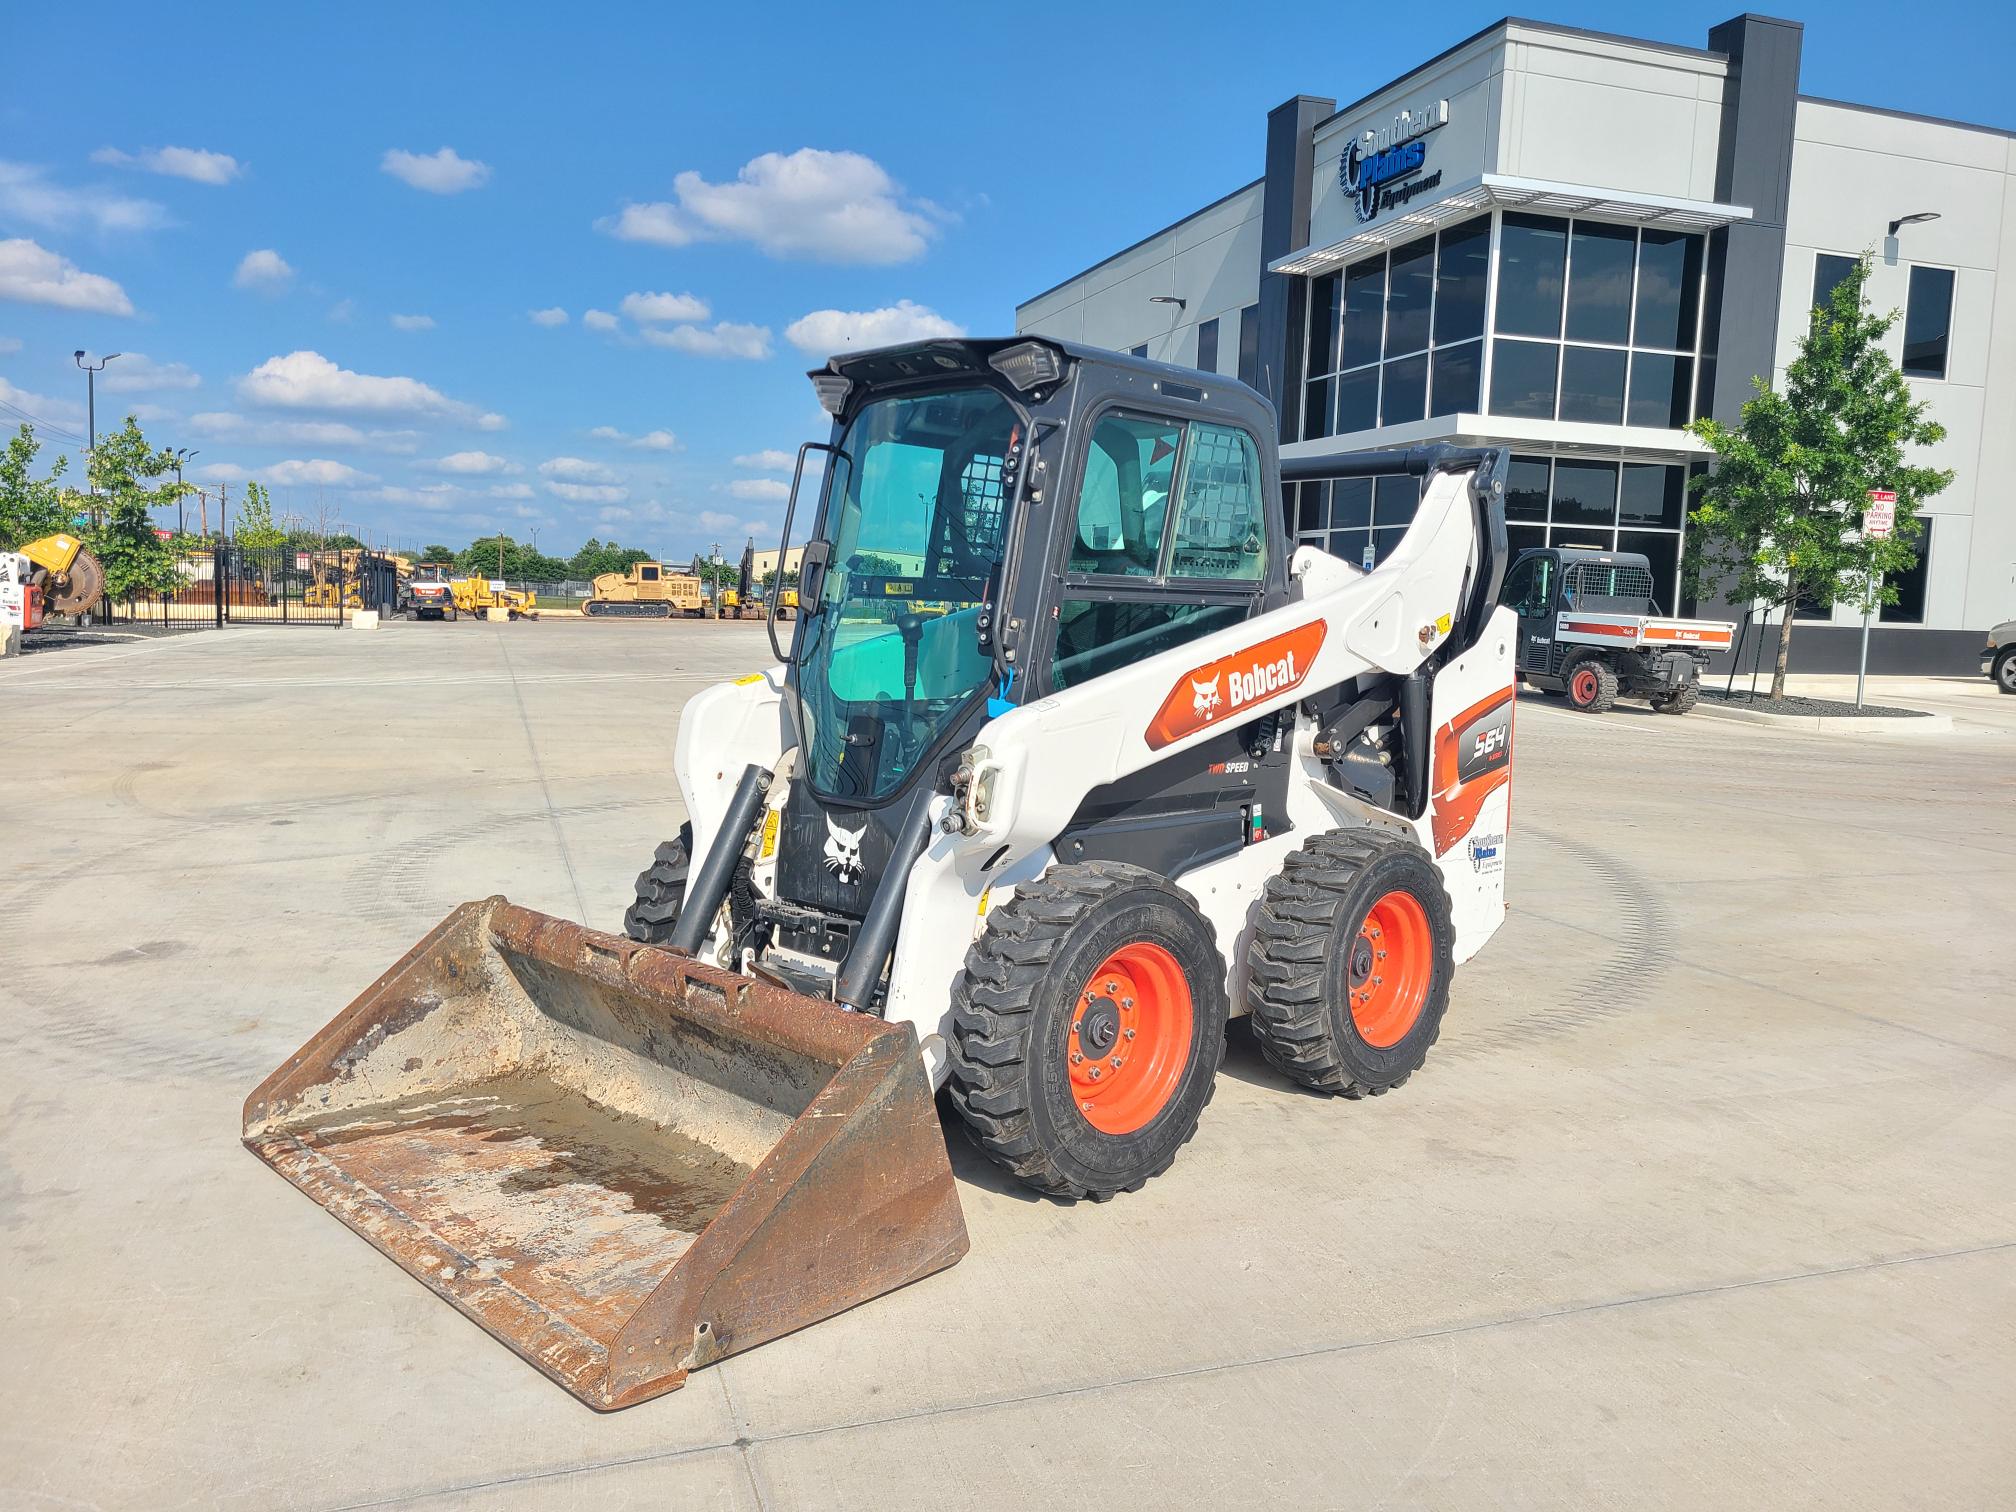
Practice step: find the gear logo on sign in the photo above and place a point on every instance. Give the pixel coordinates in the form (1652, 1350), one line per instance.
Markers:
(843, 852)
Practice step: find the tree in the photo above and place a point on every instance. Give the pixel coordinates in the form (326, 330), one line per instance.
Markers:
(135, 559)
(519, 561)
(256, 528)
(30, 507)
(437, 553)
(1779, 514)
(597, 557)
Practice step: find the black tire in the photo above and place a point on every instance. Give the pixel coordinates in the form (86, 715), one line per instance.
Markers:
(1306, 949)
(1680, 700)
(2004, 670)
(661, 891)
(1592, 685)
(1013, 1027)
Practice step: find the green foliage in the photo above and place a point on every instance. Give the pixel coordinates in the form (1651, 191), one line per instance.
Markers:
(1778, 516)
(255, 527)
(435, 554)
(597, 557)
(125, 470)
(30, 507)
(519, 562)
(875, 564)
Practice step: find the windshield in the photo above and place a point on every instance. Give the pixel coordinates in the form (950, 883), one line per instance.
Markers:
(891, 651)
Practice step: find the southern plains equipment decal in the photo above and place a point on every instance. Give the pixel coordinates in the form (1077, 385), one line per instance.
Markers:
(1473, 760)
(1220, 689)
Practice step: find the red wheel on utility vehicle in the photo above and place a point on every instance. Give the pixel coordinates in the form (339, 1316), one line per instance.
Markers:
(1389, 968)
(1592, 686)
(1130, 1038)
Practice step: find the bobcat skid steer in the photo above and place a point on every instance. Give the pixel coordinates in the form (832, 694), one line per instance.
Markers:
(1070, 757)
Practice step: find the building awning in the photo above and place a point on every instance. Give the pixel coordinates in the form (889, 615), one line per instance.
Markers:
(1517, 194)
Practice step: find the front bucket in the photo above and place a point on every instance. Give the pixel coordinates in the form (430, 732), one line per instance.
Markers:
(622, 1163)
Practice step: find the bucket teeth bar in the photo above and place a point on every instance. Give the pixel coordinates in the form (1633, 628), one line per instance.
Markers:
(622, 1163)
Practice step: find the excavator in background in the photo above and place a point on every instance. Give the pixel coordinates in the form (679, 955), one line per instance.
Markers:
(1072, 756)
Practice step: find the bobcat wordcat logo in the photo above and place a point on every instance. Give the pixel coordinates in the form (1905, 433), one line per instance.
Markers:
(1219, 690)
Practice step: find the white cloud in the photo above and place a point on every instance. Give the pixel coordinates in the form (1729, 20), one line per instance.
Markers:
(66, 413)
(34, 275)
(443, 172)
(222, 425)
(191, 163)
(588, 493)
(9, 345)
(492, 422)
(220, 472)
(709, 519)
(412, 322)
(826, 206)
(136, 373)
(768, 490)
(318, 471)
(824, 332)
(27, 195)
(343, 311)
(512, 491)
(768, 460)
(657, 440)
(577, 468)
(309, 381)
(643, 308)
(600, 320)
(267, 269)
(477, 463)
(723, 339)
(433, 496)
(551, 316)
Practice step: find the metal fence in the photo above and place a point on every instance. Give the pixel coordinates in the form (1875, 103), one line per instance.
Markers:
(227, 584)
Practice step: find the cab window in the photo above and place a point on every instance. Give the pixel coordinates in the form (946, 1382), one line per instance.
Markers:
(1220, 531)
(1125, 497)
(647, 574)
(1529, 586)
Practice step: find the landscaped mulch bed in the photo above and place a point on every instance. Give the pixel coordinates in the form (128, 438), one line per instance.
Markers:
(1824, 708)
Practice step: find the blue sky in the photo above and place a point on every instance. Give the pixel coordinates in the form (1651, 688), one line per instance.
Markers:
(784, 178)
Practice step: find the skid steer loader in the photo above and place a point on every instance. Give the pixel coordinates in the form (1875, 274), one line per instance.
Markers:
(1069, 758)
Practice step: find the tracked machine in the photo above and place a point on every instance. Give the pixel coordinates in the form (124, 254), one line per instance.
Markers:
(1069, 758)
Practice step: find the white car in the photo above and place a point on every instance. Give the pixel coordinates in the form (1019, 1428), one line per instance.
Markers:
(1998, 657)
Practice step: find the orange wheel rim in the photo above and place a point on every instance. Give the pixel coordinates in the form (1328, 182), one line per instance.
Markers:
(1585, 686)
(1129, 1038)
(1388, 969)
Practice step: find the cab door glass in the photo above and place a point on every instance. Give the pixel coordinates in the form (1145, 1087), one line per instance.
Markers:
(1220, 532)
(1124, 501)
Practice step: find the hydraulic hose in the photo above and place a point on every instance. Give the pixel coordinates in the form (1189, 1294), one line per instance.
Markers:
(710, 883)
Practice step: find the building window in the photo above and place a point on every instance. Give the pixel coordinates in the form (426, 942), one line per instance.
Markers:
(1249, 346)
(1910, 606)
(1359, 520)
(1400, 336)
(1829, 272)
(1575, 501)
(1597, 323)
(1928, 322)
(1207, 346)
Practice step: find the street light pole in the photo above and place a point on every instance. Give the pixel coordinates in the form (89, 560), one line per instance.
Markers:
(91, 372)
(180, 457)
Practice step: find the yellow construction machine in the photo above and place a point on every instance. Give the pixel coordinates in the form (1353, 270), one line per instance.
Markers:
(645, 591)
(474, 595)
(54, 575)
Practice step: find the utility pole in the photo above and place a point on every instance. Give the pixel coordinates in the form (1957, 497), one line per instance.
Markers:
(180, 457)
(223, 510)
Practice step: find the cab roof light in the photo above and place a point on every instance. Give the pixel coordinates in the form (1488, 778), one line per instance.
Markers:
(1030, 365)
(833, 389)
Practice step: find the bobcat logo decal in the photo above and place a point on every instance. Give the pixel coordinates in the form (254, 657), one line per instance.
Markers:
(843, 852)
(1204, 699)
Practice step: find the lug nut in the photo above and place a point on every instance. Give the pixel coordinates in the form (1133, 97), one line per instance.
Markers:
(1118, 1063)
(1076, 1057)
(1126, 1002)
(1129, 1033)
(1095, 1073)
(1112, 987)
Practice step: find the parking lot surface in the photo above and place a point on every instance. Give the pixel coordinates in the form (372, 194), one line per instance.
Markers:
(1703, 1200)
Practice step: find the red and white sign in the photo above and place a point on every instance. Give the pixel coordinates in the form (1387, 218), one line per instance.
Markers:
(1879, 518)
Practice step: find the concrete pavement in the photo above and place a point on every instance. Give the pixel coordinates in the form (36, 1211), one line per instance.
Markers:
(1703, 1200)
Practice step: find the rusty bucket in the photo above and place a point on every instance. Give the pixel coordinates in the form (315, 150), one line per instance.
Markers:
(622, 1163)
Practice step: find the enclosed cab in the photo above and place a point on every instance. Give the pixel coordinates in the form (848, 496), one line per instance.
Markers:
(430, 592)
(1590, 629)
